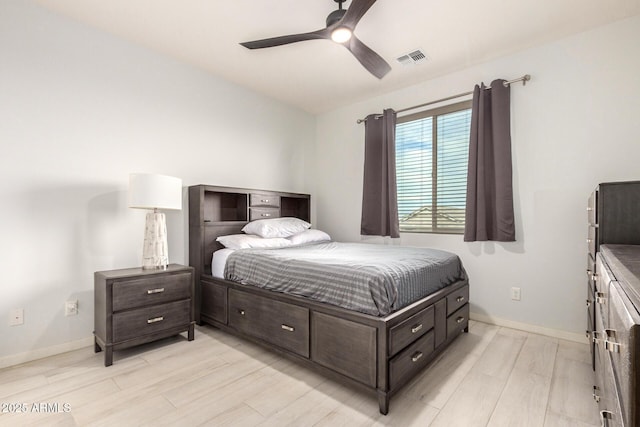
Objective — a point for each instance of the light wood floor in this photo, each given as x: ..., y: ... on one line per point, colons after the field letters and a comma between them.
x: 491, y: 376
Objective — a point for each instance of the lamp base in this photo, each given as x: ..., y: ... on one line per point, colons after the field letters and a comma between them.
x: 155, y: 251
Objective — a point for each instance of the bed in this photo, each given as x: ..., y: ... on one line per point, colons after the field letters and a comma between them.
x: 354, y: 327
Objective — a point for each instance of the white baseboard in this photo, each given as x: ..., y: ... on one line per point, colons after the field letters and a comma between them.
x: 555, y: 333
x: 17, y: 359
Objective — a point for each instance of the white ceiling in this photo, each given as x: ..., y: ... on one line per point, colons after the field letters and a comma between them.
x: 320, y: 75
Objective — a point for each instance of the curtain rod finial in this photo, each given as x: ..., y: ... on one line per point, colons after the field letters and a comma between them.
x: 525, y: 79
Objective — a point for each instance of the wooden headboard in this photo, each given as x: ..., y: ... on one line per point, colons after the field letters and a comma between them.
x: 219, y: 211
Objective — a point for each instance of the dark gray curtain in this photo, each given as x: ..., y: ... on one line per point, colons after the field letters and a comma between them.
x: 379, y: 195
x: 489, y: 211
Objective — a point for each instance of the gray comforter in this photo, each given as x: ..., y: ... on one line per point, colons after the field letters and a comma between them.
x: 372, y: 279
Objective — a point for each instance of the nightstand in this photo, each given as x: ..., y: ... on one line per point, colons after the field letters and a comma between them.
x: 135, y: 306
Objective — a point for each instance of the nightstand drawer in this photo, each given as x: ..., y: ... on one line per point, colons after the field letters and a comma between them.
x: 137, y: 323
x: 150, y: 290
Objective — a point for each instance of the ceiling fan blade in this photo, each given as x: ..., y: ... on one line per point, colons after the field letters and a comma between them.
x: 292, y: 38
x: 356, y: 11
x: 367, y: 57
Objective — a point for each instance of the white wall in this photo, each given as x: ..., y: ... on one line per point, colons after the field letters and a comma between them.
x: 574, y: 125
x: 79, y: 111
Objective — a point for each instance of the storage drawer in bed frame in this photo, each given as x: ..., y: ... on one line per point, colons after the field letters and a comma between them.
x: 381, y: 353
x: 409, y: 330
x: 285, y: 325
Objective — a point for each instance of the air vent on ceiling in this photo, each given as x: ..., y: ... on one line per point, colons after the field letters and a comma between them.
x: 413, y: 57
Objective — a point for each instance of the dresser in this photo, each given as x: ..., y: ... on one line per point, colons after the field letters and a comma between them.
x: 135, y: 306
x: 613, y: 218
x: 617, y: 335
x: 613, y: 299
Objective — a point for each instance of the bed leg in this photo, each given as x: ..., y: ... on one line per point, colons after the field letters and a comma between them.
x: 190, y: 332
x: 466, y: 329
x: 383, y: 402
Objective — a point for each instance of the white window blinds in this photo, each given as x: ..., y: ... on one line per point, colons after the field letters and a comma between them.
x: 432, y: 150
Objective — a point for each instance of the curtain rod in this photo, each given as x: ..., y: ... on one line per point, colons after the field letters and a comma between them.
x: 524, y: 79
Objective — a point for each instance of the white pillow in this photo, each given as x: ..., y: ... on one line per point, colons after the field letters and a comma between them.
x: 276, y: 227
x: 244, y: 241
x: 309, y: 236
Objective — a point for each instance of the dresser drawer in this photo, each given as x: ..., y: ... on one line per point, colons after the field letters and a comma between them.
x: 457, y: 299
x: 622, y: 342
x: 143, y: 321
x: 592, y: 238
x: 591, y: 209
x: 279, y: 323
x: 591, y: 271
x: 263, y: 213
x: 604, y: 279
x: 150, y: 290
x: 411, y: 360
x: 412, y: 328
x: 458, y: 321
x: 264, y: 199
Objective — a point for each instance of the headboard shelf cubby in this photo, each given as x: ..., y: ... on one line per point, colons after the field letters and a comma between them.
x: 216, y: 211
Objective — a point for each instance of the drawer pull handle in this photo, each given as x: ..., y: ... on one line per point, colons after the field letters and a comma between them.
x: 264, y: 200
x: 288, y: 328
x: 609, y: 343
x: 596, y: 337
x: 417, y: 356
x: 460, y: 299
x: 460, y: 319
x: 266, y: 215
x: 241, y: 312
x: 596, y: 396
x: 416, y: 328
x: 612, y: 346
x: 601, y: 297
x: 605, y: 416
x: 589, y: 240
x: 155, y: 319
x: 589, y: 208
x: 155, y: 291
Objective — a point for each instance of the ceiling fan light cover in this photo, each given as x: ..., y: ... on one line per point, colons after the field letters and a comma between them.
x: 341, y: 35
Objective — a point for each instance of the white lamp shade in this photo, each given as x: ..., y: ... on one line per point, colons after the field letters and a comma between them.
x: 151, y: 191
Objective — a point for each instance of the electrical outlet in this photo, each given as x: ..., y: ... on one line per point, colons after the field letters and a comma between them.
x: 515, y: 294
x: 16, y: 317
x: 71, y: 308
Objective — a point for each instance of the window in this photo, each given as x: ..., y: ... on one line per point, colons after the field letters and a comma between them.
x: 432, y: 151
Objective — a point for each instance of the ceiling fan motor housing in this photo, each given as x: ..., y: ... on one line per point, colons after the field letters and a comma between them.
x: 335, y: 16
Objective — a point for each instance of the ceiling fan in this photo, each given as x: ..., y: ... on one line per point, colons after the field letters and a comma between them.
x: 340, y: 26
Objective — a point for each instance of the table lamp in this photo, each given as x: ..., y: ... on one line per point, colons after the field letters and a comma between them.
x: 151, y: 191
